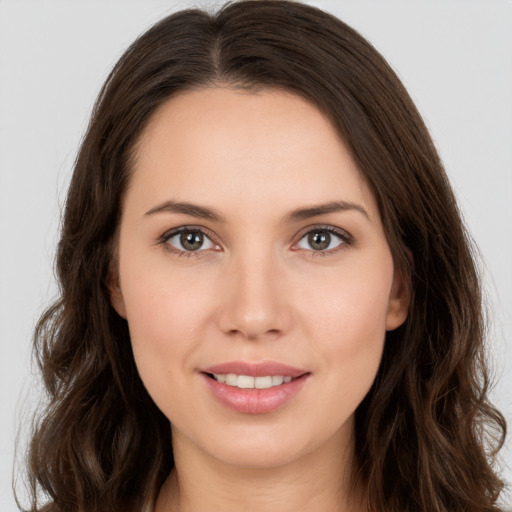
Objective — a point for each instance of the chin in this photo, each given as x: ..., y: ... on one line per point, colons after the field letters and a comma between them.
x: 256, y: 456
x: 266, y: 448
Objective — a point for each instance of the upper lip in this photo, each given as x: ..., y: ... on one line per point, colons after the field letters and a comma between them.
x: 255, y: 369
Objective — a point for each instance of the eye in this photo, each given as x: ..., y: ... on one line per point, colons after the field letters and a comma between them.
x: 189, y: 240
x: 323, y: 239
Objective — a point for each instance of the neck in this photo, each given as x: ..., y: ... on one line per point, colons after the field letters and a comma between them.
x: 318, y: 481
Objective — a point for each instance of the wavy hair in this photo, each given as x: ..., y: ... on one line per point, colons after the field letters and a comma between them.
x: 426, y: 434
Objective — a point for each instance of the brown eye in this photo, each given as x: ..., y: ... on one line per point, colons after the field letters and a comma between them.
x: 322, y: 240
x: 190, y: 240
x: 319, y: 240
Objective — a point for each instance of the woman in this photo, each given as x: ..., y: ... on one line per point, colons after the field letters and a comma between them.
x: 269, y: 301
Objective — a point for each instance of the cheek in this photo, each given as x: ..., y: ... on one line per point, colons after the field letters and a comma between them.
x: 351, y: 299
x: 164, y: 314
x: 166, y: 317
x: 346, y: 316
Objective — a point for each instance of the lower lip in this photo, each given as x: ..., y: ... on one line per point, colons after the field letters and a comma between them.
x: 256, y: 401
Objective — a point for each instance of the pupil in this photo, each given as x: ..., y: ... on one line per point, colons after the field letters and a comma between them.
x: 191, y: 240
x: 319, y: 240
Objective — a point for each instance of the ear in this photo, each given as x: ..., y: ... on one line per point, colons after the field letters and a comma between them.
x: 399, y: 301
x: 116, y: 295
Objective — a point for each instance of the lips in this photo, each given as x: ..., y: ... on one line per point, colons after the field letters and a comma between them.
x: 261, y: 369
x: 254, y: 388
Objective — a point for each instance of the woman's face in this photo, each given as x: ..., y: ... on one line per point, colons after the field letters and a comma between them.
x: 251, y: 248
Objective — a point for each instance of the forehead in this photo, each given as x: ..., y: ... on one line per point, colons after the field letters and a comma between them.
x: 263, y: 148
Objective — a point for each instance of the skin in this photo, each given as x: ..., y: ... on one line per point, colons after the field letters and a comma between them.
x: 257, y: 292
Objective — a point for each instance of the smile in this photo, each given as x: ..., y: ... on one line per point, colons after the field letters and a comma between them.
x: 254, y: 388
x: 249, y: 382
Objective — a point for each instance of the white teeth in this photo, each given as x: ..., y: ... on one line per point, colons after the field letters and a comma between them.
x: 262, y: 382
x: 277, y: 380
x: 249, y: 382
x: 245, y: 382
x: 231, y: 379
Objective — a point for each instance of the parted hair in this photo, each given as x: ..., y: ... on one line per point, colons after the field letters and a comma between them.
x: 426, y: 434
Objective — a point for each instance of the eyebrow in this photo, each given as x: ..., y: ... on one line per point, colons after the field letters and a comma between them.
x: 299, y: 214
x: 322, y: 209
x: 201, y: 212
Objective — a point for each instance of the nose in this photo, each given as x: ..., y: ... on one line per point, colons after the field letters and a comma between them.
x: 255, y: 304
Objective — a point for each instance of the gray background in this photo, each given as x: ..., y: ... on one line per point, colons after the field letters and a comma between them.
x: 454, y: 56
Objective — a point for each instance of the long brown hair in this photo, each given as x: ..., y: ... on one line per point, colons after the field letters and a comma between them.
x: 426, y: 435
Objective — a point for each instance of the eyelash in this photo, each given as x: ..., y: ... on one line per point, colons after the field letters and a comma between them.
x: 164, y: 239
x: 345, y: 238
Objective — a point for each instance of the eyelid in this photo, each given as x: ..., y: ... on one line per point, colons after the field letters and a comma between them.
x: 344, y: 235
x: 346, y: 238
x: 163, y: 239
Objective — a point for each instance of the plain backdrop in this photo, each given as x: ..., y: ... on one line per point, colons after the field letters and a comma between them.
x: 454, y: 56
